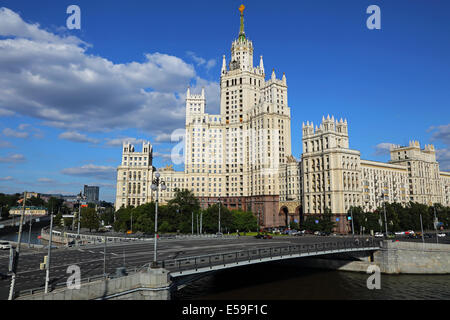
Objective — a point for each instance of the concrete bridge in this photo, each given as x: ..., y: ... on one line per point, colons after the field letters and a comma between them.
x: 156, y: 282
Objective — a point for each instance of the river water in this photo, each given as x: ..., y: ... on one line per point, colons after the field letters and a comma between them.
x: 281, y: 281
x: 35, y: 232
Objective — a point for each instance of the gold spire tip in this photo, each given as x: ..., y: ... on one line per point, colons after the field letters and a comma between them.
x: 242, y: 8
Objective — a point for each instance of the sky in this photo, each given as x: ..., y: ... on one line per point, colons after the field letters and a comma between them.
x: 69, y: 97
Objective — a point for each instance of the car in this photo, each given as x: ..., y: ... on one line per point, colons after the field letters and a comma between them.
x: 5, y: 245
x: 441, y: 235
x: 379, y: 235
x: 317, y: 233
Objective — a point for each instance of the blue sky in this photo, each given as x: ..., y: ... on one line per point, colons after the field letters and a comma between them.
x: 69, y: 97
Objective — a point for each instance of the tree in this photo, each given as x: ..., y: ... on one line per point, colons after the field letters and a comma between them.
x: 326, y: 221
x: 244, y: 221
x: 211, y: 219
x: 89, y: 219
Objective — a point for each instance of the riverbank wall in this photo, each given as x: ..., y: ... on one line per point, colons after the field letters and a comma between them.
x: 394, y: 257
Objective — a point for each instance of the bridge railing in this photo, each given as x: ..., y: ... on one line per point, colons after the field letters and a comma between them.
x: 226, y: 258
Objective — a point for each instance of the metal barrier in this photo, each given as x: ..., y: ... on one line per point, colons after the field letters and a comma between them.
x: 227, y: 258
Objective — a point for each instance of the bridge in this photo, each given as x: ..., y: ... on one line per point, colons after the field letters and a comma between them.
x: 184, y: 259
x: 211, y: 262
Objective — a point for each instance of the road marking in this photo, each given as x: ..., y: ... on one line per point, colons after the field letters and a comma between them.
x: 81, y: 250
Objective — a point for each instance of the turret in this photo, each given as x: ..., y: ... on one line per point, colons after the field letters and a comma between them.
x: 224, y: 65
x: 261, y: 64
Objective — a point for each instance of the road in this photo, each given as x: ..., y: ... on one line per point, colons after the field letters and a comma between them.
x: 135, y: 254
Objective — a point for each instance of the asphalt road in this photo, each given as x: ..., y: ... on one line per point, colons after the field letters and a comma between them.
x: 135, y: 254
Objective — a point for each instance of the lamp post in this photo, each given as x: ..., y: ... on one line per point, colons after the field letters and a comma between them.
x: 384, y: 209
x: 220, y: 204
x: 435, y: 224
x: 353, y: 226
x: 16, y: 257
x: 155, y: 187
x: 79, y: 197
x: 47, y: 271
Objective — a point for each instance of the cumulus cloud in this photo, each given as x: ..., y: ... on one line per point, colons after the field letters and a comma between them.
x: 118, y: 142
x: 92, y: 171
x: 77, y: 137
x: 383, y: 149
x: 45, y: 180
x: 201, y: 61
x: 442, y: 134
x: 55, y: 79
x: 12, y: 158
x: 14, y: 133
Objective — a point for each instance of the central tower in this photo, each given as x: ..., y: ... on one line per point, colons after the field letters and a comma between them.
x: 237, y: 155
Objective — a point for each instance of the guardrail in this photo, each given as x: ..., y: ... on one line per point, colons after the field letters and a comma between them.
x: 181, y: 265
x: 62, y: 285
x: 99, y: 238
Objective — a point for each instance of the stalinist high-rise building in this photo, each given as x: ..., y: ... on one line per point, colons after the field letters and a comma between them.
x: 236, y: 157
x: 242, y: 156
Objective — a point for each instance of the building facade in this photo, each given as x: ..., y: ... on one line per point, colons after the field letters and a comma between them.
x: 242, y: 156
x: 91, y: 193
x: 335, y: 177
x: 235, y: 157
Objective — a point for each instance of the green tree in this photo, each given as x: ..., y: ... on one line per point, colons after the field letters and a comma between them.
x: 326, y: 221
x: 244, y: 221
x: 211, y: 219
x: 89, y: 219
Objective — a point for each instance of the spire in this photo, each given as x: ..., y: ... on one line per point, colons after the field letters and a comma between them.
x: 224, y: 64
x: 273, y: 74
x: 188, y: 94
x: 241, y: 31
x: 203, y: 92
x: 284, y: 78
x: 261, y: 64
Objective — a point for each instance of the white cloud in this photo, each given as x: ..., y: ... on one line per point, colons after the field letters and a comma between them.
x: 201, y: 61
x: 382, y: 149
x: 55, y: 79
x: 77, y: 137
x: 13, y: 158
x: 46, y: 180
x: 9, y: 178
x: 92, y: 171
x: 14, y: 133
x: 118, y: 142
x: 442, y: 134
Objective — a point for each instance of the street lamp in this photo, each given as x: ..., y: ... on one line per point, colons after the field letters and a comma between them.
x: 220, y: 204
x: 384, y: 208
x: 155, y: 187
x: 79, y: 198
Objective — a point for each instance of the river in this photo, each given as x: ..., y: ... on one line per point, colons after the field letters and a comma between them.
x: 35, y: 232
x: 281, y: 281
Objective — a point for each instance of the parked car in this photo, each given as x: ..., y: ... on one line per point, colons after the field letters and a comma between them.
x: 379, y: 235
x: 441, y: 235
x: 5, y: 245
x: 263, y: 236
